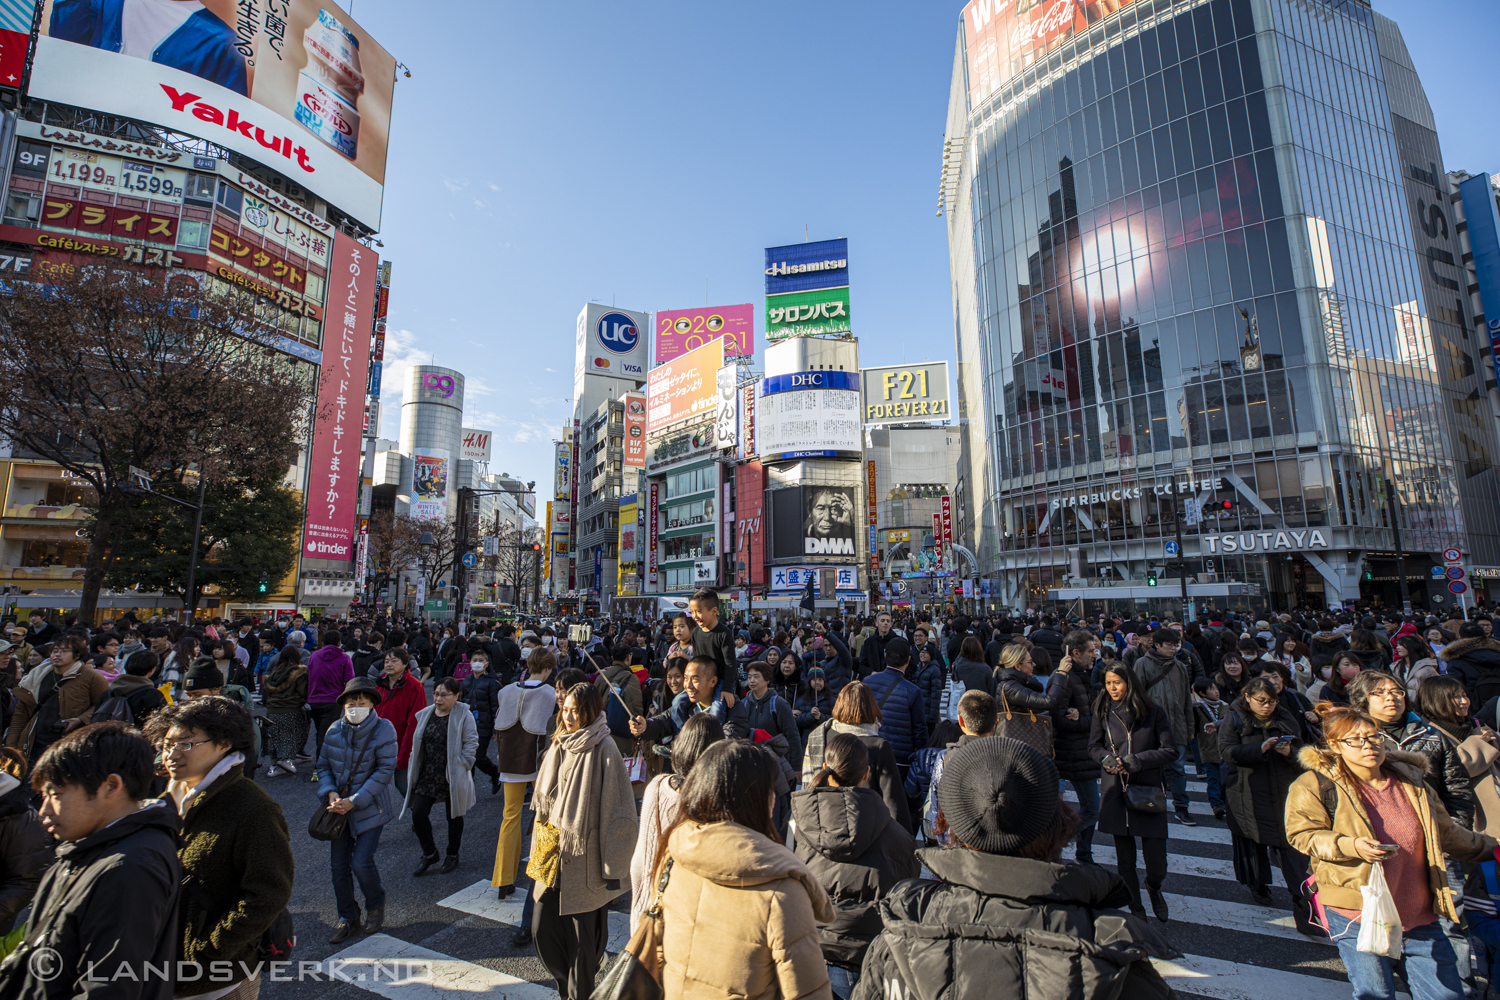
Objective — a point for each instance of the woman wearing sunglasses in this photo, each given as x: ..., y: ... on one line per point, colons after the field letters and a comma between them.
x: 1361, y: 805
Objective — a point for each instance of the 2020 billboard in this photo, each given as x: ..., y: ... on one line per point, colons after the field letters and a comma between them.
x: 295, y: 84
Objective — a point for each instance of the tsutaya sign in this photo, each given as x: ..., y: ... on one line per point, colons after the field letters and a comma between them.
x: 1186, y: 485
x: 1283, y: 540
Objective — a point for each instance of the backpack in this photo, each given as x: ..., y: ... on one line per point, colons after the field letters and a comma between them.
x: 114, y: 708
x: 1328, y: 794
x: 615, y: 714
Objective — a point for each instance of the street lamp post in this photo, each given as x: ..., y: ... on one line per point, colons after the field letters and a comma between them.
x: 425, y: 545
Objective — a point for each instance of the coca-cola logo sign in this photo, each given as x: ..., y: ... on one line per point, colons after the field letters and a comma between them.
x: 1056, y: 18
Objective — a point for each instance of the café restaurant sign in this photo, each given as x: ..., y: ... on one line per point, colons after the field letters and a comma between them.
x: 1183, y: 486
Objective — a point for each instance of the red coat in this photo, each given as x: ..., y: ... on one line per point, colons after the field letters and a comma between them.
x: 399, y: 707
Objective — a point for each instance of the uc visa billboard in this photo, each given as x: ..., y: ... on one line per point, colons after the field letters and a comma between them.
x: 807, y: 289
x: 611, y: 342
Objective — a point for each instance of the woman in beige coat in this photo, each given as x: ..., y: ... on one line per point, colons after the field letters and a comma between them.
x: 740, y: 911
x: 583, y: 791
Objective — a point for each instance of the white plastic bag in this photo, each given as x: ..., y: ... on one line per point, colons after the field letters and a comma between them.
x: 1379, y: 923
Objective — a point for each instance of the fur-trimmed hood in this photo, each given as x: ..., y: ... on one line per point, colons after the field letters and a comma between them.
x: 1325, y: 762
x: 1460, y: 648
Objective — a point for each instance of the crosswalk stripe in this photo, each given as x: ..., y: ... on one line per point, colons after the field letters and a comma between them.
x: 1177, y: 864
x: 1212, y: 977
x: 1246, y: 918
x: 1195, y: 808
x: 1196, y: 834
x: 480, y: 900
x: 397, y: 970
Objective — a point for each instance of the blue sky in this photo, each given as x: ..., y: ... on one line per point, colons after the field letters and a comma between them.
x: 645, y: 154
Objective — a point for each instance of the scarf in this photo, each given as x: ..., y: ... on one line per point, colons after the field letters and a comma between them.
x: 567, y: 787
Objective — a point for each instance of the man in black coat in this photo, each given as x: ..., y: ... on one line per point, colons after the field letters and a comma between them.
x: 1474, y: 659
x: 1071, y: 722
x: 111, y: 899
x: 872, y: 653
x: 1049, y: 638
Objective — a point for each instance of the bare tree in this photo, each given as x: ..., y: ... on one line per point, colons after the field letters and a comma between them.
x: 392, y: 547
x: 110, y: 370
x: 444, y: 547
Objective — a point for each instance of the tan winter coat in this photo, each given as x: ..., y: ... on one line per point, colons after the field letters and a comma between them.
x: 740, y: 918
x: 1329, y: 841
x: 1481, y: 759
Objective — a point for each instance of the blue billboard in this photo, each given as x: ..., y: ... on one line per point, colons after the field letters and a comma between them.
x: 1484, y: 240
x: 804, y: 267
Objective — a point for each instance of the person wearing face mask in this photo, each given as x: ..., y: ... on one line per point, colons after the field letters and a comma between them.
x: 481, y: 693
x: 1346, y: 667
x: 443, y: 749
x: 358, y: 758
x: 402, y: 697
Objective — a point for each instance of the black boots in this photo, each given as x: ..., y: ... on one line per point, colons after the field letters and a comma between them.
x: 1302, y: 911
x: 450, y: 864
x: 428, y: 860
x: 344, y: 930
x: 1158, y: 903
x: 1262, y: 895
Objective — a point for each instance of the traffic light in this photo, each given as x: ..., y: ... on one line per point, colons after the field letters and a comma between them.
x: 536, y: 546
x: 264, y: 585
x: 1224, y: 507
x: 1151, y: 578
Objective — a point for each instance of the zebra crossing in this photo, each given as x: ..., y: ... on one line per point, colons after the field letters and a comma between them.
x: 1233, y: 949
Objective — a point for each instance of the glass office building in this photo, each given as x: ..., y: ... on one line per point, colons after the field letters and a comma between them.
x: 1205, y: 289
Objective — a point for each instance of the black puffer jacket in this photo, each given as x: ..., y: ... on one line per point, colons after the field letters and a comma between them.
x: 1446, y: 774
x: 975, y: 676
x: 1258, y: 783
x: 930, y: 679
x: 1070, y: 739
x: 1049, y: 639
x: 1000, y: 926
x: 1025, y: 693
x: 1476, y: 663
x: 481, y: 692
x: 858, y: 853
x: 26, y: 850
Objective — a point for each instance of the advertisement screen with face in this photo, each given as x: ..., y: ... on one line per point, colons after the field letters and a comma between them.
x: 828, y: 520
x: 429, y: 483
x: 295, y: 84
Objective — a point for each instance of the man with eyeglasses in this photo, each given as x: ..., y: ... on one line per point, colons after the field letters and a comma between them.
x: 236, y: 853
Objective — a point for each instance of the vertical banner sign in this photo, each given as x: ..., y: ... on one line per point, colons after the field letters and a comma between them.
x: 562, y: 487
x: 547, y: 560
x: 870, y: 502
x: 635, y: 430
x: 598, y: 576
x: 726, y: 419
x: 1484, y: 238
x: 746, y: 449
x: 361, y: 558
x: 948, y: 528
x: 573, y: 510
x: 937, y: 538
x: 333, y: 478
x: 653, y: 520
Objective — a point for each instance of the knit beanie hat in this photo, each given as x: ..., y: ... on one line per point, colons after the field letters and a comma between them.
x: 998, y: 794
x: 203, y: 676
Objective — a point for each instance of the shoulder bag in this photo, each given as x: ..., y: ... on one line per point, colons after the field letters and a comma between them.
x: 546, y: 855
x: 1028, y: 727
x: 1138, y: 798
x: 325, y: 824
x: 637, y: 973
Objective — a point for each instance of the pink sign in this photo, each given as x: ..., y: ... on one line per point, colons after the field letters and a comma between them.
x: 680, y: 330
x: 333, y: 473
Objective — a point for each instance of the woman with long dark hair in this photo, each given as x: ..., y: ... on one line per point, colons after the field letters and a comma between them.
x: 1232, y: 675
x: 659, y: 807
x: 582, y: 801
x: 734, y: 891
x: 1131, y: 738
x: 1415, y: 662
x: 1259, y: 739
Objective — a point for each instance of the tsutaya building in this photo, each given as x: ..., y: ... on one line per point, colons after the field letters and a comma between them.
x: 1200, y: 249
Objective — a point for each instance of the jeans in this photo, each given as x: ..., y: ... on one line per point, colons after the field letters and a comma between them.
x: 1087, y: 790
x: 1216, y: 785
x: 1177, y: 775
x: 1431, y: 966
x: 354, y: 858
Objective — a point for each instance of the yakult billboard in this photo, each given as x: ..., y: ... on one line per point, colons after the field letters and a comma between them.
x: 1003, y: 37
x: 333, y: 472
x: 294, y: 84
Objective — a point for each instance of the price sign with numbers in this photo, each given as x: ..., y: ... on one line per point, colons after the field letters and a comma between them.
x: 100, y: 172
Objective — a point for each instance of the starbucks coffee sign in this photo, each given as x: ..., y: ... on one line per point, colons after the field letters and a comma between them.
x: 1251, y: 542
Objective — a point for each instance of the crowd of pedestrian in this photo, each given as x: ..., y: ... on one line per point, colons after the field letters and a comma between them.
x: 822, y: 808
